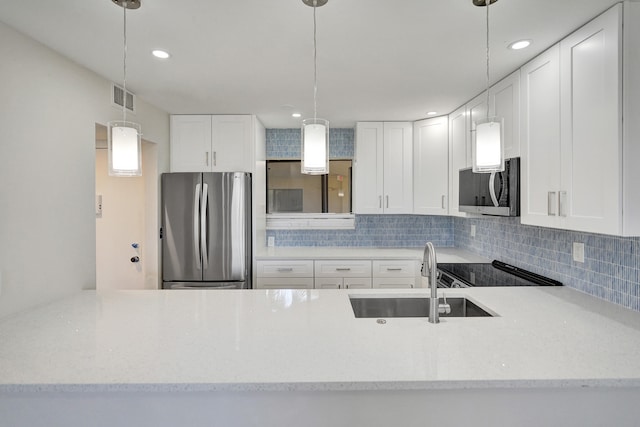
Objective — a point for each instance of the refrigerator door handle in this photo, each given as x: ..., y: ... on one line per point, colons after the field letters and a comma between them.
x: 203, y: 225
x: 196, y: 226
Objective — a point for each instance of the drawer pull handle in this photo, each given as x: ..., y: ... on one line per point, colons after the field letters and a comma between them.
x: 284, y: 270
x: 394, y: 269
x: 343, y: 269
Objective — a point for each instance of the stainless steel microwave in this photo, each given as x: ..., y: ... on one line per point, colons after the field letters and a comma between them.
x: 496, y: 193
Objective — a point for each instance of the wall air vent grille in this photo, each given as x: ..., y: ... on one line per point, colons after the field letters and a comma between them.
x: 117, y: 98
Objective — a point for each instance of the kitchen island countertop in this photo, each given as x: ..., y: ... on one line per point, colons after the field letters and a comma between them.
x: 179, y: 340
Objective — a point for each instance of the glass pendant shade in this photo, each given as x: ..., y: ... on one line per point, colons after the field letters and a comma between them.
x: 488, y: 148
x: 124, y: 148
x: 315, y: 146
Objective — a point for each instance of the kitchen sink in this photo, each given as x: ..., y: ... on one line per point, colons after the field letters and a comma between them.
x: 377, y: 307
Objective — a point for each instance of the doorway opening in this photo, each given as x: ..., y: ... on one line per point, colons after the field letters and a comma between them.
x: 127, y: 255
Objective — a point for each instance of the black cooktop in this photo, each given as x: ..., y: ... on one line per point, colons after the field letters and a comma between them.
x: 495, y: 273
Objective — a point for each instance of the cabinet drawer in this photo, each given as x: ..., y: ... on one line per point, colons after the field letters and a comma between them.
x: 395, y: 268
x: 284, y: 268
x: 342, y: 283
x: 284, y: 283
x: 394, y: 283
x: 349, y: 268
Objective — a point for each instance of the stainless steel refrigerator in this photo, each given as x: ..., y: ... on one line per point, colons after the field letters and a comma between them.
x: 206, y: 230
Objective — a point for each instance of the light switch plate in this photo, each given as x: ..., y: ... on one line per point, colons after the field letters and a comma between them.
x: 271, y: 241
x: 473, y: 230
x: 578, y: 252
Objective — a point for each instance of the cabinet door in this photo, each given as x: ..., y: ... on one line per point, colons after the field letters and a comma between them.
x: 284, y: 283
x: 431, y: 166
x: 504, y: 99
x: 190, y: 143
x: 368, y: 168
x: 231, y: 143
x: 398, y: 168
x: 394, y: 283
x: 591, y: 139
x: 328, y: 283
x: 459, y: 156
x: 540, y: 139
x: 357, y: 283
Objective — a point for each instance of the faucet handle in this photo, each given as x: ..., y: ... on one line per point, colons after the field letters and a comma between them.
x: 444, y: 308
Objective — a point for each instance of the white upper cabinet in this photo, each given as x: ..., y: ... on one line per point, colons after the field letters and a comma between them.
x: 383, y: 170
x: 540, y: 138
x: 459, y: 155
x: 190, y: 143
x: 368, y: 168
x: 575, y: 171
x: 590, y: 111
x: 504, y: 102
x: 211, y: 143
x: 431, y: 166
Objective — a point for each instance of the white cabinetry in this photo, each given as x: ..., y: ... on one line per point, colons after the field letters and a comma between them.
x: 383, y: 169
x: 459, y: 155
x: 285, y: 274
x: 504, y: 102
x: 431, y: 166
x: 540, y: 125
x: 575, y: 174
x: 211, y: 143
x: 342, y: 274
x: 591, y: 137
x: 395, y: 274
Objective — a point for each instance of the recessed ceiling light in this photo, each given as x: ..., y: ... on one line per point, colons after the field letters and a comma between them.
x: 296, y: 115
x: 432, y: 113
x: 160, y: 54
x: 520, y: 44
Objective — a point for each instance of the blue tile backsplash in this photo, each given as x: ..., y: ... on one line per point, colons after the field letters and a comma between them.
x: 388, y: 231
x: 611, y: 270
x: 285, y: 143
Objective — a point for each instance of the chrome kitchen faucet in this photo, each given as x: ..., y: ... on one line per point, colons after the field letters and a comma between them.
x: 429, y: 269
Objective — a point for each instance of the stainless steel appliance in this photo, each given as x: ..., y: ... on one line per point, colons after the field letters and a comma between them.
x: 496, y: 193
x: 496, y: 273
x: 206, y: 230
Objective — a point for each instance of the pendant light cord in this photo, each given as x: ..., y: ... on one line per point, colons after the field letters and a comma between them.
x: 315, y: 65
x: 487, y: 3
x: 124, y: 68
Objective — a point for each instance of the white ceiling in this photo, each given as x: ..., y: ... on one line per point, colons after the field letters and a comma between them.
x: 377, y: 59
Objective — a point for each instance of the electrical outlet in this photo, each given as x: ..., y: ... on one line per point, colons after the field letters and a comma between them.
x: 578, y: 252
x: 473, y: 230
x: 271, y: 241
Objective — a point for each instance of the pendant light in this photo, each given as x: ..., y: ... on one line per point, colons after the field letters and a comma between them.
x: 487, y: 149
x: 124, y: 145
x: 315, y: 131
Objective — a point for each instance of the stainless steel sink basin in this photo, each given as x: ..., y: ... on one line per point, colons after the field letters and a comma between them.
x: 412, y: 307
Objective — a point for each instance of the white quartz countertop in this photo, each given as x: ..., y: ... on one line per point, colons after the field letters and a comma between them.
x: 182, y: 340
x: 445, y: 255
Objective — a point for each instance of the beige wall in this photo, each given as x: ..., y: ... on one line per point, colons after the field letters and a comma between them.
x: 47, y: 170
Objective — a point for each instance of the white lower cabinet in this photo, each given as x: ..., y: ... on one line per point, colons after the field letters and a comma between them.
x: 395, y: 274
x: 342, y: 274
x: 338, y: 274
x: 342, y: 283
x: 285, y: 283
x: 285, y: 274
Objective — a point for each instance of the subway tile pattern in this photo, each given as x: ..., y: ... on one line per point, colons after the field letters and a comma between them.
x: 388, y: 231
x: 611, y: 270
x: 285, y: 143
